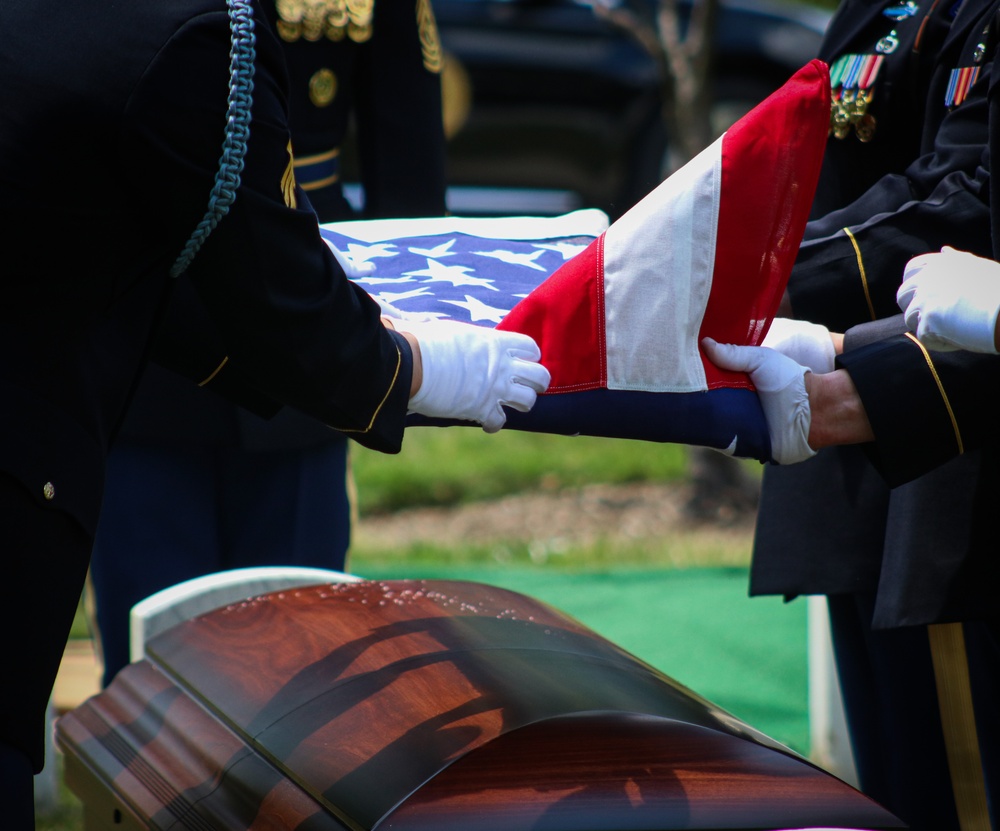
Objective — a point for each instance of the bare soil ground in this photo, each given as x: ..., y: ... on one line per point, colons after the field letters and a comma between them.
x: 630, y: 513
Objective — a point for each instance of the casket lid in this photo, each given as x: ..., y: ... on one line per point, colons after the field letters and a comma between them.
x: 444, y: 704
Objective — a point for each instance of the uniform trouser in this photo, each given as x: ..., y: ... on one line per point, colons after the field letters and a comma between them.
x: 922, y: 712
x: 45, y: 557
x: 174, y: 512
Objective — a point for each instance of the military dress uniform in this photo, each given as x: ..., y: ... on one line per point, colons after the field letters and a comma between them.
x: 376, y: 67
x: 896, y: 563
x: 197, y: 484
x: 111, y: 121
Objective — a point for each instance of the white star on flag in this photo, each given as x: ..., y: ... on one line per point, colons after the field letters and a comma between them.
x: 358, y: 255
x: 479, y: 310
x: 392, y: 298
x: 514, y: 257
x: 454, y: 274
x: 443, y: 250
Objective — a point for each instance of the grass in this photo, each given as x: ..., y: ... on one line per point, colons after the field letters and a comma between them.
x: 451, y: 466
x: 461, y: 466
x: 676, y: 552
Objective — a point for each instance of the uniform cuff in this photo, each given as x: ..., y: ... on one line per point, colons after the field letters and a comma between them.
x: 908, y: 407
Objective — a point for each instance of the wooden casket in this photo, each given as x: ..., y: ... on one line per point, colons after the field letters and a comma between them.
x: 430, y: 705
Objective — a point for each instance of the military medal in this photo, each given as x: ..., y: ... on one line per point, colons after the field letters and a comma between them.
x: 962, y: 78
x: 888, y: 44
x: 323, y: 87
x: 960, y: 81
x: 333, y: 19
x: 851, y: 81
x: 904, y: 10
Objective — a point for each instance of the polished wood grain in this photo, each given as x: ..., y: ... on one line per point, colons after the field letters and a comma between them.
x: 165, y: 759
x: 432, y: 704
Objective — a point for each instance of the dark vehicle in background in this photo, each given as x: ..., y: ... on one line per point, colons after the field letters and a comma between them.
x: 550, y: 107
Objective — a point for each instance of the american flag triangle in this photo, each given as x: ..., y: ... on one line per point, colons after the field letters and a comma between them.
x: 619, y: 311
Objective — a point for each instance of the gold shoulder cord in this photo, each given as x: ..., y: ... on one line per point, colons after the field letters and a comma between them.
x: 944, y: 395
x: 958, y: 723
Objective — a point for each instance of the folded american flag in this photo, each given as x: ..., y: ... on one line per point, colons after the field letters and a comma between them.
x: 619, y: 311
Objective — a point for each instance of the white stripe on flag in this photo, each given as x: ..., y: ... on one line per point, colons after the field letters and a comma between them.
x: 658, y: 263
x: 585, y: 222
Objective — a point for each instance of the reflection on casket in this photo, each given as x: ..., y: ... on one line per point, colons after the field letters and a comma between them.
x: 423, y: 705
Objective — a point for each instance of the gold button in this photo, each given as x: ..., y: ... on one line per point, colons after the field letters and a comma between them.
x: 49, y: 490
x: 322, y: 87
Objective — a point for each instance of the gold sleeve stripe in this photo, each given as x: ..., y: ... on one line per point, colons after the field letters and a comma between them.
x: 958, y: 723
x: 381, y: 404
x: 215, y: 372
x: 320, y: 183
x: 302, y: 161
x: 944, y: 395
x: 861, y: 271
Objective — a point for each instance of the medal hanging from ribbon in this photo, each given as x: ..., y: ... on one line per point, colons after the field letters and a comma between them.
x: 852, y: 79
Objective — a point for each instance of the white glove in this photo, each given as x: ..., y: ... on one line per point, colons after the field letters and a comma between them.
x: 472, y: 372
x: 781, y: 387
x: 808, y: 344
x: 951, y: 300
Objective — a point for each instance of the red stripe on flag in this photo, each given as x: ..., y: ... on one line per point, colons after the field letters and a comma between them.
x: 565, y: 316
x: 770, y: 167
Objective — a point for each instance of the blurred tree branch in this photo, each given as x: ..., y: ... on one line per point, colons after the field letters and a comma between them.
x: 683, y: 47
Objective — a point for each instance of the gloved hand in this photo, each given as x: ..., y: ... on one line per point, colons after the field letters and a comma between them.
x: 951, y: 300
x: 808, y: 344
x: 472, y: 372
x: 780, y: 383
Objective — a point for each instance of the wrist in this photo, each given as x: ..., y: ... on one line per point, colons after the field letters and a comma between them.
x: 417, y: 378
x: 838, y: 415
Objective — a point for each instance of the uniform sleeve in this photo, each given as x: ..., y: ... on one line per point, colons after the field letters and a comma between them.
x: 851, y: 260
x: 188, y: 343
x: 924, y: 407
x: 398, y: 101
x: 292, y: 327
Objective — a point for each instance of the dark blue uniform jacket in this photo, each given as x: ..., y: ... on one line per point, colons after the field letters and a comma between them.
x: 111, y: 122
x: 920, y: 545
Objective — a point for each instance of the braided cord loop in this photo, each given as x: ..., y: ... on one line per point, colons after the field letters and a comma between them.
x: 234, y: 145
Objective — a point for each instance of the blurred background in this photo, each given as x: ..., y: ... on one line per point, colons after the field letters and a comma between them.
x: 554, y: 105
